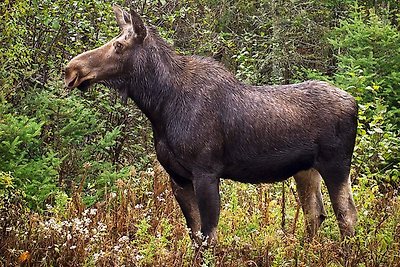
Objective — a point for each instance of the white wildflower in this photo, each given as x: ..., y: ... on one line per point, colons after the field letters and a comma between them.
x: 93, y: 211
x: 101, y: 227
x: 87, y: 221
x: 280, y: 232
x: 199, y: 234
x: 138, y: 257
x: 138, y: 206
x: 77, y: 222
x: 96, y: 257
x: 123, y: 239
x: 66, y: 223
x: 150, y: 171
x: 85, y: 212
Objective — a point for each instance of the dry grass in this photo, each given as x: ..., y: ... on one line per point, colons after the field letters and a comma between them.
x: 143, y: 226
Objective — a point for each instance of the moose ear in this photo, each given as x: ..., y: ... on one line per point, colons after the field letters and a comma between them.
x: 138, y: 25
x: 123, y: 17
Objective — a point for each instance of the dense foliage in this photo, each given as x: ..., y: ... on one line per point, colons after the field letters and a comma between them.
x: 73, y: 164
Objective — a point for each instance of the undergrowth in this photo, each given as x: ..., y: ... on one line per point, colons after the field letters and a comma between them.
x: 260, y: 225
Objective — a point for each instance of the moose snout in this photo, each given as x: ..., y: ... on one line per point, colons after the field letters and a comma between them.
x: 70, y: 82
x: 70, y: 78
x: 78, y: 76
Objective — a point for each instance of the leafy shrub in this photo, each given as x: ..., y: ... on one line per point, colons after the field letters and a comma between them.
x: 368, y: 56
x: 378, y: 146
x: 34, y: 169
x: 47, y: 134
x: 368, y: 68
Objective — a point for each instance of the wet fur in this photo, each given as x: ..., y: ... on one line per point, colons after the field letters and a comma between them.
x: 208, y: 125
x: 204, y: 116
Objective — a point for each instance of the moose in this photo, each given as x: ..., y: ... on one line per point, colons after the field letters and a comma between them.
x: 208, y: 126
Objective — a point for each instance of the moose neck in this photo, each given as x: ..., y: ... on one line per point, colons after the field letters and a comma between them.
x: 155, y: 85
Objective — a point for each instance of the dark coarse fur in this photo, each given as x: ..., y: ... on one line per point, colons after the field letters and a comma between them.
x: 208, y: 125
x: 203, y: 117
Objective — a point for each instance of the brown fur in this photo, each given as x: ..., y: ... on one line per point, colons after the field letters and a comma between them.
x: 208, y: 125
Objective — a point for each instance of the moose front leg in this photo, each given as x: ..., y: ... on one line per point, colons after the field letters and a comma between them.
x: 206, y: 188
x: 186, y: 198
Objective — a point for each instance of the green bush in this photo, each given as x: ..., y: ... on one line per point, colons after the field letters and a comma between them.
x: 368, y: 67
x: 48, y: 135
x: 21, y: 154
x: 368, y: 53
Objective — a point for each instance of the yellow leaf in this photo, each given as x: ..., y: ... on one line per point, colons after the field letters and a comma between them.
x: 24, y: 257
x: 376, y: 87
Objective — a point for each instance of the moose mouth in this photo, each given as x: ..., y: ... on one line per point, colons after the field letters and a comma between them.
x: 81, y: 85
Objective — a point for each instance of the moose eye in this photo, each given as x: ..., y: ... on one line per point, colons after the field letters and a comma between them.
x: 118, y: 47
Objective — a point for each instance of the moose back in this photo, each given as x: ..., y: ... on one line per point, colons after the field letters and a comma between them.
x: 208, y: 125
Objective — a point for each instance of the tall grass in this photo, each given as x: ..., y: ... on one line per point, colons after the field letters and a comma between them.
x: 143, y: 226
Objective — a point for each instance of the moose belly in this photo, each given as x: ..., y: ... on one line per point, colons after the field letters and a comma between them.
x: 268, y: 168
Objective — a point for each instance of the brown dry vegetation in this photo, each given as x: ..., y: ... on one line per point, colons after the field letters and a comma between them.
x: 258, y: 227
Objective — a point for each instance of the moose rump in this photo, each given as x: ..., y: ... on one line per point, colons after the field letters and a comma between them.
x: 208, y: 125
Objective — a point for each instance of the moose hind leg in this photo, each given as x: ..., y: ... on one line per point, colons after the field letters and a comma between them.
x: 338, y: 183
x: 188, y: 203
x: 308, y: 185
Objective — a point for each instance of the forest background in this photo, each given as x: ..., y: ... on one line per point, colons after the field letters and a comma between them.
x: 79, y: 181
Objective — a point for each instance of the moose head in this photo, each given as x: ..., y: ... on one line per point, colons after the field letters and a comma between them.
x: 112, y: 60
